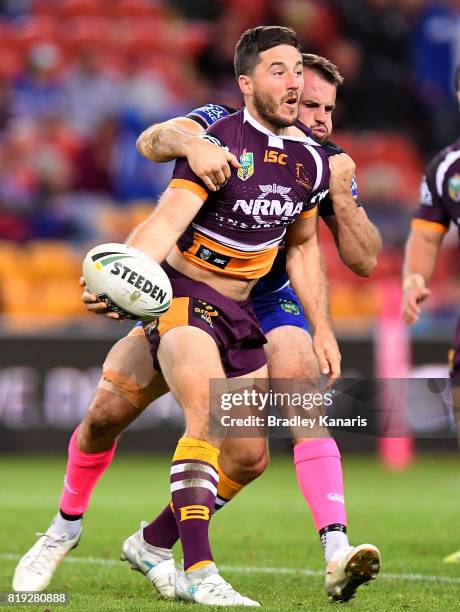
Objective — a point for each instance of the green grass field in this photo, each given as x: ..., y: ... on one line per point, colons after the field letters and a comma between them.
x: 264, y: 541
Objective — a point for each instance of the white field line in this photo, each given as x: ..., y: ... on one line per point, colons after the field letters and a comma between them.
x: 259, y: 570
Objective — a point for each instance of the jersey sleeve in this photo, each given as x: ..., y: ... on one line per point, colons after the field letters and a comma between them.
x: 431, y: 213
x: 320, y: 188
x: 209, y: 113
x: 184, y: 178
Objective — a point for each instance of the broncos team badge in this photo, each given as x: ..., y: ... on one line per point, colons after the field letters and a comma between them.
x: 247, y: 166
x: 453, y: 186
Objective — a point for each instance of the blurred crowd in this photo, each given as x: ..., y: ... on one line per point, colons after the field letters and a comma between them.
x: 80, y: 79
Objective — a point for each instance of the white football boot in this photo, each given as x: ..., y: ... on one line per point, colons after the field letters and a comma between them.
x: 36, y: 568
x: 452, y: 558
x: 349, y: 568
x: 206, y: 586
x: 157, y: 564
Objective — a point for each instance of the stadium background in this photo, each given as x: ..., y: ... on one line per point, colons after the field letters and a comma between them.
x: 79, y: 79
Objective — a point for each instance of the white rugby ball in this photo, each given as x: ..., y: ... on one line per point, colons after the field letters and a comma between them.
x: 128, y: 281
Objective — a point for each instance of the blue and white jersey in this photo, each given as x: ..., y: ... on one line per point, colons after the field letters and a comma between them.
x: 210, y: 113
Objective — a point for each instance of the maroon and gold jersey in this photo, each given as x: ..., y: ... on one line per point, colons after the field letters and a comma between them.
x: 440, y: 192
x: 239, y: 228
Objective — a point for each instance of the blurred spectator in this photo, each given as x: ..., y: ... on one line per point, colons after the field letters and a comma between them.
x: 12, y: 8
x: 198, y: 9
x: 6, y: 100
x: 315, y: 22
x: 91, y: 93
x: 215, y: 62
x: 38, y: 91
x: 435, y: 54
x: 144, y: 92
x: 92, y: 163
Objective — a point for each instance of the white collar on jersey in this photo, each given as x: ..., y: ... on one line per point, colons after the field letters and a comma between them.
x: 258, y: 126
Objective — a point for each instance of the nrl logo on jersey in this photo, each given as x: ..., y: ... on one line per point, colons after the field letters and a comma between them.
x: 205, y: 254
x: 453, y: 186
x: 247, y: 165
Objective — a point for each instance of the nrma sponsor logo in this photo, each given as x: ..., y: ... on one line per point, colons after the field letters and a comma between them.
x: 267, y: 208
x: 273, y: 201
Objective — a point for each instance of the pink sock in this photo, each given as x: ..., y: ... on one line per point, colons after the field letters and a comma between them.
x: 319, y: 474
x: 82, y: 474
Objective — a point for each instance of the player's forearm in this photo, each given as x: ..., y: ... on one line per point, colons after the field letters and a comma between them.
x: 164, y: 142
x: 420, y: 258
x: 158, y: 234
x: 307, y: 273
x: 358, y: 240
x: 156, y: 238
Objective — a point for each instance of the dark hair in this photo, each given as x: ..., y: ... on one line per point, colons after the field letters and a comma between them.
x: 323, y: 67
x: 457, y: 78
x: 259, y: 39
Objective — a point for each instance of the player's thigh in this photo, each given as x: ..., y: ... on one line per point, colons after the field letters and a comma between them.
x: 129, y: 383
x: 128, y: 371
x: 290, y: 354
x: 189, y: 358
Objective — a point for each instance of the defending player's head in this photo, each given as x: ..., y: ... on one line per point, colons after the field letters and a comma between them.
x: 268, y: 66
x: 321, y: 79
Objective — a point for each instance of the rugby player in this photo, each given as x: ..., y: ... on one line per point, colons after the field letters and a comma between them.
x: 128, y: 383
x: 277, y: 307
x: 438, y: 208
x: 269, y: 70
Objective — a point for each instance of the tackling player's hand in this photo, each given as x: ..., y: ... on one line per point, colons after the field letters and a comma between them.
x: 412, y: 297
x: 327, y: 352
x: 93, y: 305
x: 342, y: 169
x: 211, y: 163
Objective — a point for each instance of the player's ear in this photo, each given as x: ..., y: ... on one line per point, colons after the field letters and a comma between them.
x: 246, y: 85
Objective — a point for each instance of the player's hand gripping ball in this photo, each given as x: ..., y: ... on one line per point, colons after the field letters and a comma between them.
x: 128, y: 281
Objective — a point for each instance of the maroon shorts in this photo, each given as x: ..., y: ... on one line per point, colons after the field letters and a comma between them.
x: 454, y: 357
x: 233, y: 325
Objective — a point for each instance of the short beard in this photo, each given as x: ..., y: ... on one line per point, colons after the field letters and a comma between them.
x: 266, y: 108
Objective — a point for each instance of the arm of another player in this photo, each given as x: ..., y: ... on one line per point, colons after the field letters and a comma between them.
x: 181, y: 137
x: 422, y: 249
x: 306, y: 270
x: 357, y: 239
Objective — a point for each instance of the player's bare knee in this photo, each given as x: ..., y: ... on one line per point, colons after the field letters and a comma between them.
x: 107, y: 416
x: 251, y: 464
